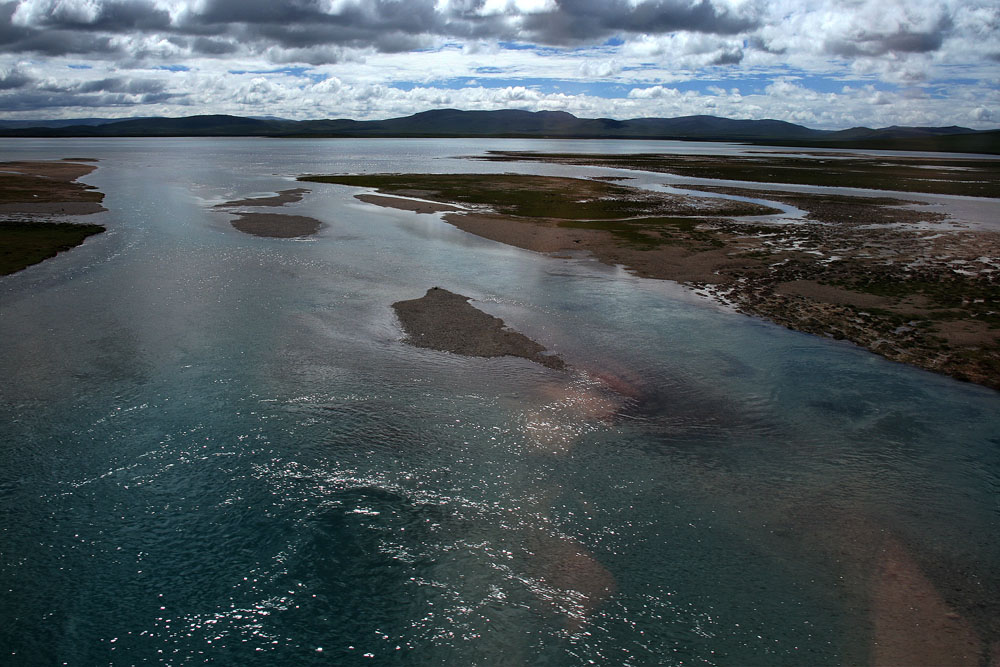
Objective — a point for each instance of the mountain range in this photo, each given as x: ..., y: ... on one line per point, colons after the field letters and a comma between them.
x: 527, y: 124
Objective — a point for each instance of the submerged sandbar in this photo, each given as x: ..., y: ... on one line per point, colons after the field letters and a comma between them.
x: 445, y: 321
x: 280, y: 198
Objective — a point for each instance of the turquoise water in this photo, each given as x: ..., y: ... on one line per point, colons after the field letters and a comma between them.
x: 216, y: 448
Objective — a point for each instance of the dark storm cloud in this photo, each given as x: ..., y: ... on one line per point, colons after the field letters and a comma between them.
x: 732, y: 57
x: 13, y: 78
x: 40, y: 100
x: 904, y: 41
x: 580, y: 20
x: 120, y: 85
x: 27, y: 94
x: 212, y: 47
x: 55, y: 28
x: 10, y: 33
x: 110, y: 17
x: 63, y: 42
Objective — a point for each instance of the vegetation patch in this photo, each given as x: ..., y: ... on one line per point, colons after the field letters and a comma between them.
x: 544, y: 196
x: 25, y: 243
x: 973, y: 178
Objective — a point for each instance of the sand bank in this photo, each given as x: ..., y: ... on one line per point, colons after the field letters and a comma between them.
x: 276, y: 225
x: 443, y: 320
x: 279, y: 199
x: 883, y: 272
x: 47, y: 189
x: 32, y: 194
x: 407, y: 204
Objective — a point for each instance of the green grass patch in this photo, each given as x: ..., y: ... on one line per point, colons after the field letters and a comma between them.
x: 531, y: 196
x: 976, y: 178
x: 25, y: 243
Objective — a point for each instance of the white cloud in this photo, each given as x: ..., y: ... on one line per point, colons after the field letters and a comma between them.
x: 896, y: 57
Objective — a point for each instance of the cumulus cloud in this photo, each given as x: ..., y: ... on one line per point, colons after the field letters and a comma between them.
x: 378, y: 58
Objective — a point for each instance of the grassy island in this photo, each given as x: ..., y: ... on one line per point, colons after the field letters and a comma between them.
x: 883, y: 272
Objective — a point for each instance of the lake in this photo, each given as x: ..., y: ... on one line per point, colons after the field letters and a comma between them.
x: 218, y: 449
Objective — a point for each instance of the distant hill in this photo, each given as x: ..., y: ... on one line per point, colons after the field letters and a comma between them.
x: 528, y: 124
x: 60, y: 122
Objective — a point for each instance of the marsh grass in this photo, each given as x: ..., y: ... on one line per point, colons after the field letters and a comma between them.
x: 539, y: 196
x: 974, y: 178
x: 25, y: 243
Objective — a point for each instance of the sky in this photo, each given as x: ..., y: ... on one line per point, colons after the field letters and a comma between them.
x: 826, y: 64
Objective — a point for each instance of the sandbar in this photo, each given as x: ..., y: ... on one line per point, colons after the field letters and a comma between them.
x: 279, y: 199
x: 34, y: 197
x: 413, y: 205
x: 445, y: 321
x: 883, y: 272
x: 31, y: 188
x: 276, y: 225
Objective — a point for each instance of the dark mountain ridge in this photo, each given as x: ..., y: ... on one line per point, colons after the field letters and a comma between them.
x: 517, y: 123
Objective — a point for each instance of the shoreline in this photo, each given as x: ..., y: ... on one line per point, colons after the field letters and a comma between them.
x: 886, y: 274
x: 35, y: 199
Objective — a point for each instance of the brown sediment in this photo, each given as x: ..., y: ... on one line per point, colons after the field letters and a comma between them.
x: 937, y: 175
x: 31, y: 195
x: 47, y: 189
x: 838, y: 209
x: 445, y: 321
x: 855, y: 268
x: 912, y: 623
x: 280, y: 199
x: 406, y: 204
x: 576, y: 582
x: 276, y: 225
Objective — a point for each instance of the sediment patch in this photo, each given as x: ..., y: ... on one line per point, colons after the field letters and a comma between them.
x: 445, y: 321
x: 865, y: 269
x: 34, y: 197
x: 276, y: 225
x: 279, y: 199
x: 47, y: 189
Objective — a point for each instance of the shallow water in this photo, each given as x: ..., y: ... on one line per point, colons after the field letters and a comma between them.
x: 217, y: 448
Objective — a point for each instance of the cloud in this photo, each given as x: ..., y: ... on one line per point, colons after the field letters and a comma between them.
x: 582, y: 20
x: 394, y: 57
x: 90, y: 15
x: 13, y: 78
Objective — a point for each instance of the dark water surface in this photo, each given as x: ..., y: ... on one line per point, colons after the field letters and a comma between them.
x: 216, y: 448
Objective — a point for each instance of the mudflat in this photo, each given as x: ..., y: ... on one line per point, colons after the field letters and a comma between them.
x: 883, y: 272
x: 281, y: 198
x: 34, y: 198
x: 47, y: 188
x: 276, y: 225
x: 445, y: 321
x: 272, y: 225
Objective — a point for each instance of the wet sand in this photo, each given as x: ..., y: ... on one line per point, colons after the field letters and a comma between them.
x: 272, y: 225
x: 279, y: 199
x: 885, y: 273
x: 407, y: 204
x: 47, y: 189
x: 445, y: 321
x: 276, y: 225
x: 35, y: 197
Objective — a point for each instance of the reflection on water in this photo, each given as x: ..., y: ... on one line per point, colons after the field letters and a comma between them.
x: 217, y: 448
